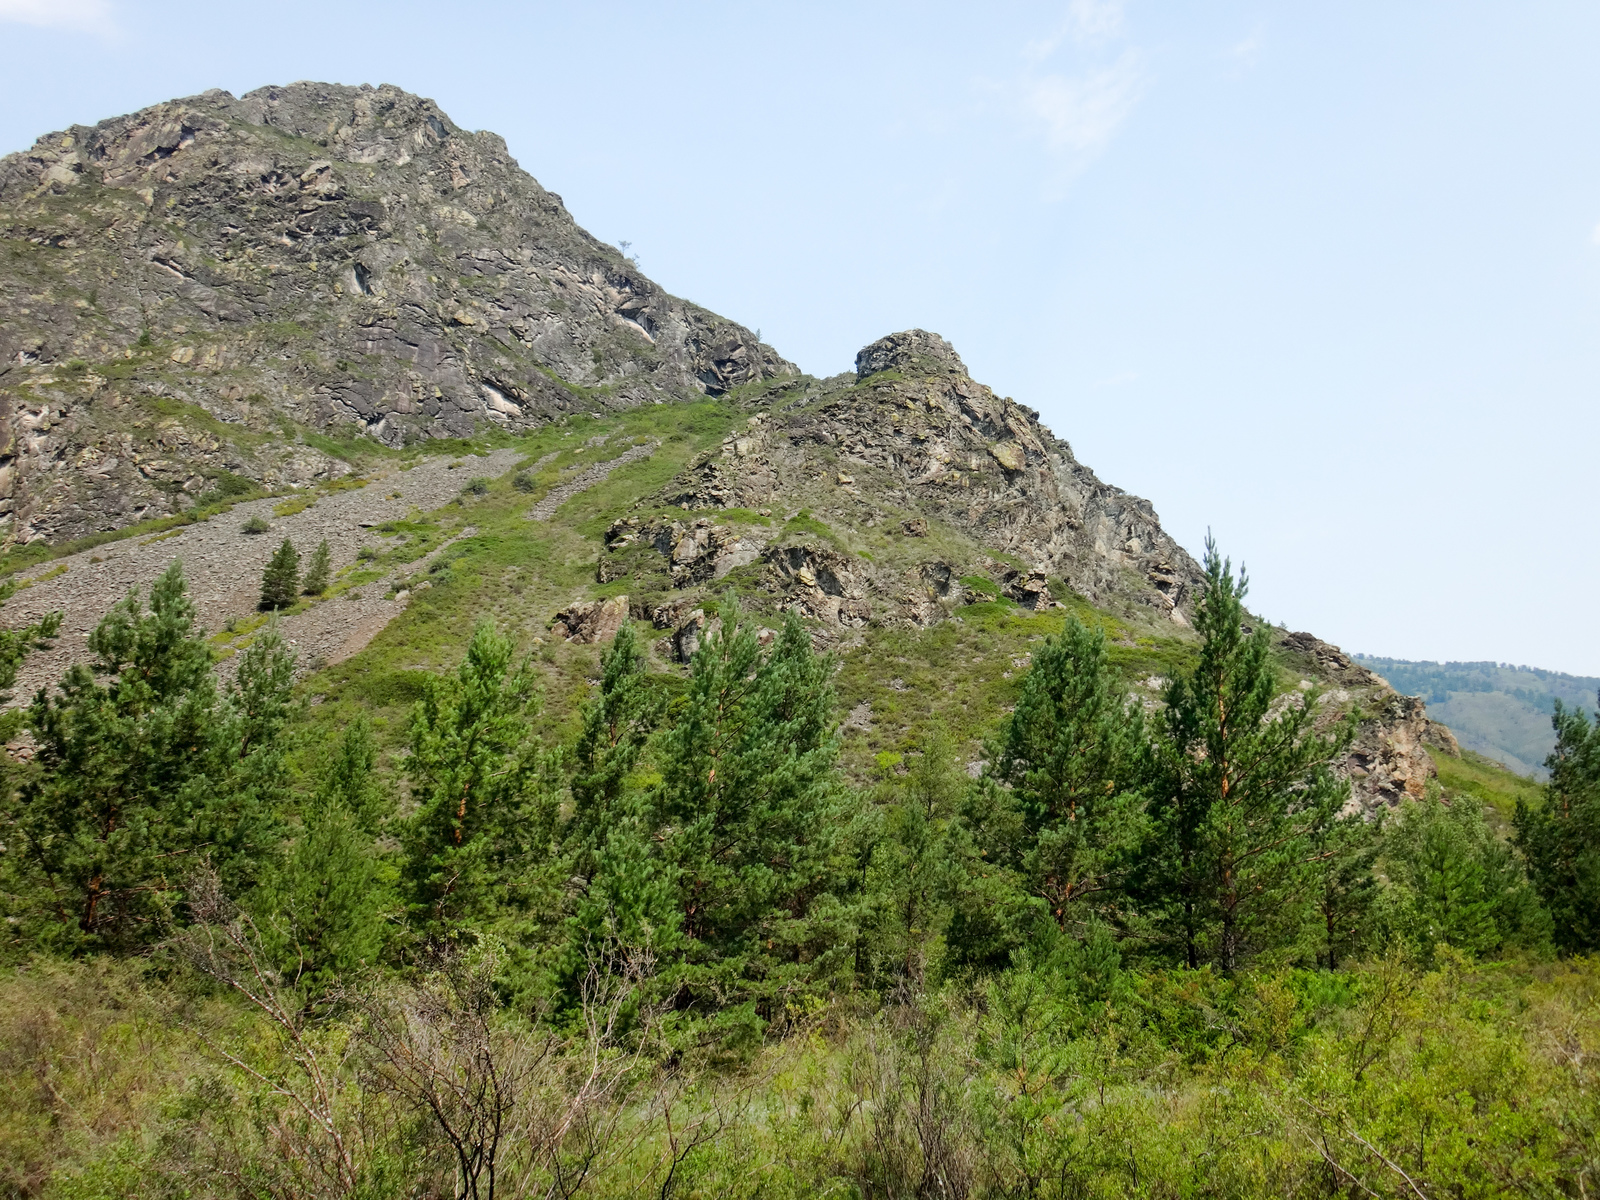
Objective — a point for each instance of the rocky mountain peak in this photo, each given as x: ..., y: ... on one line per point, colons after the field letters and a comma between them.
x: 183, y: 284
x: 912, y: 352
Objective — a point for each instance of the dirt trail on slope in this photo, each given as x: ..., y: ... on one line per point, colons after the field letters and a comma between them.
x: 560, y: 494
x: 224, y: 567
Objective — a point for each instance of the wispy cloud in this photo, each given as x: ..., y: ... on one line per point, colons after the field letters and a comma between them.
x: 1076, y: 88
x: 1243, y: 54
x: 1087, y: 22
x: 1082, y: 113
x: 80, y: 16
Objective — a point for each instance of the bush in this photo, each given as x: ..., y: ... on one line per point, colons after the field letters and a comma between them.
x: 523, y: 482
x: 477, y: 486
x: 256, y: 524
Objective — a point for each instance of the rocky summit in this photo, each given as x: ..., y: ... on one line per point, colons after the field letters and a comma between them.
x: 190, y: 289
x: 307, y: 290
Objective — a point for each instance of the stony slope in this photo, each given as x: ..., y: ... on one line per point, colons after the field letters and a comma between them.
x: 188, y: 287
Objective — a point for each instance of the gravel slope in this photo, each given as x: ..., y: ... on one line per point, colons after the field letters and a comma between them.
x: 224, y: 566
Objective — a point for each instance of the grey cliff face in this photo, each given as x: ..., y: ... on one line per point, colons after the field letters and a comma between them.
x: 338, y: 258
x: 914, y: 431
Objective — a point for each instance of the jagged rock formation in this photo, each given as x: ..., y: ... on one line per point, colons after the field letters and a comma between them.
x: 1388, y: 762
x: 186, y: 285
x: 913, y: 438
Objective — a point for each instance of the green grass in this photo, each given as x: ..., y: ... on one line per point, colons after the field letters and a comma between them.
x: 803, y: 525
x: 1485, y: 780
x: 514, y: 571
x: 963, y: 675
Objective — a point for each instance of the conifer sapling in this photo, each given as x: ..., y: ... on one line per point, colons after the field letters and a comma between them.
x: 319, y: 569
x: 280, y: 582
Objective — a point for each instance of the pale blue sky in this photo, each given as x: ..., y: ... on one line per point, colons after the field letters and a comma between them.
x: 1324, y: 278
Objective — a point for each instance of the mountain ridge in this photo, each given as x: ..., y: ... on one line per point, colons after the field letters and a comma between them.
x: 280, y: 292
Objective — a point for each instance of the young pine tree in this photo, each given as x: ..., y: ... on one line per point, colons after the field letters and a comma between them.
x: 1244, y: 785
x: 1453, y: 881
x: 628, y: 900
x: 1344, y: 890
x: 138, y: 777
x: 321, y: 910
x: 1560, y: 840
x: 478, y: 848
x: 917, y: 862
x: 280, y: 582
x: 1075, y: 757
x: 318, y: 570
x: 757, y: 812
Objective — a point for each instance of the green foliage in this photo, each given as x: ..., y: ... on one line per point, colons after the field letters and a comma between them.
x: 256, y: 524
x: 1454, y: 882
x: 480, y: 839
x: 628, y: 901
x: 757, y: 814
x: 1344, y: 891
x: 280, y: 582
x: 321, y: 909
x: 803, y: 525
x: 1073, y: 759
x: 914, y: 866
x: 523, y: 482
x: 1561, y: 838
x: 140, y: 778
x: 318, y: 570
x: 1243, y: 783
x: 477, y: 486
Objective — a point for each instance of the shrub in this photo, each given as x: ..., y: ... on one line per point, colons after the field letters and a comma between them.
x: 477, y: 486
x: 523, y: 482
x: 256, y: 524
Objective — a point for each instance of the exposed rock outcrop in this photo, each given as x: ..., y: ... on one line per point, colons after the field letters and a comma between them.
x: 911, y: 429
x: 590, y: 622
x: 1388, y: 762
x: 207, y: 269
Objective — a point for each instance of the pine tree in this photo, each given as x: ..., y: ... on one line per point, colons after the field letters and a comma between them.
x: 1244, y: 782
x: 757, y: 813
x: 1454, y: 881
x: 1074, y: 756
x: 617, y: 721
x: 916, y: 865
x: 318, y: 570
x: 1345, y: 889
x: 321, y: 910
x: 137, y: 777
x: 1560, y: 839
x: 628, y: 900
x: 479, y: 844
x: 351, y: 781
x: 280, y: 582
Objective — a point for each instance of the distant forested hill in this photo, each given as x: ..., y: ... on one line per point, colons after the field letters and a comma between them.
x: 1494, y: 708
